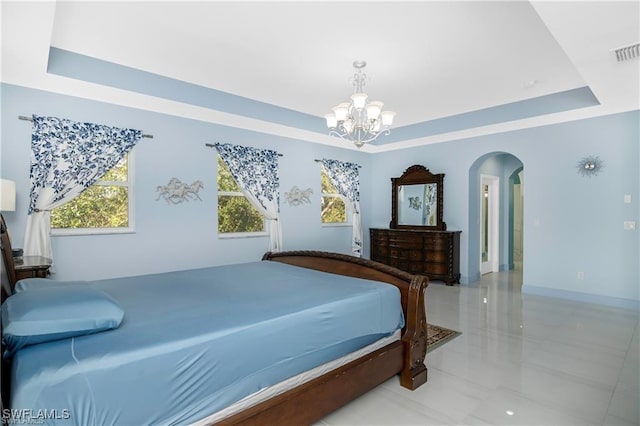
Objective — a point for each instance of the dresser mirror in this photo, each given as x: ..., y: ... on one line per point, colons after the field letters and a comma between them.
x: 416, y: 200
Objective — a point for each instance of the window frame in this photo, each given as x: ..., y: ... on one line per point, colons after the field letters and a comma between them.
x: 250, y: 234
x: 130, y: 185
x: 347, y: 208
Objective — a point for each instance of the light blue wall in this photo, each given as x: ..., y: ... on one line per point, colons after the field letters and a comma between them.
x: 169, y: 237
x: 571, y: 223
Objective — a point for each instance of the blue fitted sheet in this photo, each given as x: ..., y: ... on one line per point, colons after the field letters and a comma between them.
x: 193, y: 342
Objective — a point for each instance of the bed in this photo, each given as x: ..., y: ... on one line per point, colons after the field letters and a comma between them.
x: 344, y: 324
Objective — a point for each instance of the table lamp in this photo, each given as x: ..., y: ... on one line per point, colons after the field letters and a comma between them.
x: 7, y: 197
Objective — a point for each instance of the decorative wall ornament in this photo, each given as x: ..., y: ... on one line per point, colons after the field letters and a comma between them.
x: 415, y: 203
x: 295, y: 197
x: 176, y: 192
x: 590, y: 165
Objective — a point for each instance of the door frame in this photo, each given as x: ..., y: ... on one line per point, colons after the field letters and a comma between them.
x: 493, y: 182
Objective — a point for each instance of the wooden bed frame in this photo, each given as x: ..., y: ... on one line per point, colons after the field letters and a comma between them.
x: 315, y: 399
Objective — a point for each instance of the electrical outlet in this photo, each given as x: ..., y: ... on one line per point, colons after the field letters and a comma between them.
x: 581, y: 275
x: 629, y: 225
x: 627, y: 198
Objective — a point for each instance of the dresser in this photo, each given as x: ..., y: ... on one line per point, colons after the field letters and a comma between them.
x: 433, y: 253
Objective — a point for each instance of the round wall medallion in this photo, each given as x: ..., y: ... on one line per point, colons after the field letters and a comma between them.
x: 589, y: 166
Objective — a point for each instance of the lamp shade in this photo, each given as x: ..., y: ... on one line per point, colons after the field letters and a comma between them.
x: 373, y: 110
x: 332, y: 121
x: 387, y: 117
x: 359, y: 100
x: 341, y: 111
x: 7, y: 195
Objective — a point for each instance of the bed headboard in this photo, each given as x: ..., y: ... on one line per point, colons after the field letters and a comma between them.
x: 8, y: 271
x: 8, y: 279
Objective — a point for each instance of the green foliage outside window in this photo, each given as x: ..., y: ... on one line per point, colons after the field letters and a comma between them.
x: 332, y: 206
x: 102, y: 205
x: 235, y: 212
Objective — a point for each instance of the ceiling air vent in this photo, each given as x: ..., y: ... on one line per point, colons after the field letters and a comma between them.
x: 627, y: 53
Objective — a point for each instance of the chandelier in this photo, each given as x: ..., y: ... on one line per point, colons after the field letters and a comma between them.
x: 359, y: 121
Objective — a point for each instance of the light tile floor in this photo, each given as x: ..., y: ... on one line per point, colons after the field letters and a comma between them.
x: 521, y: 360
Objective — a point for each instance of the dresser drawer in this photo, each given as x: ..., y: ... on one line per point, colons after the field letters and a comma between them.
x: 407, y: 243
x: 437, y: 243
x: 379, y: 241
x: 379, y: 252
x: 402, y: 253
x: 436, y: 255
x: 436, y: 268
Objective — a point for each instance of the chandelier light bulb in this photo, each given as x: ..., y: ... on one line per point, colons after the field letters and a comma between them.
x: 348, y: 125
x: 359, y: 121
x: 332, y: 121
x: 359, y: 100
x: 341, y: 111
x: 387, y: 117
x: 373, y: 109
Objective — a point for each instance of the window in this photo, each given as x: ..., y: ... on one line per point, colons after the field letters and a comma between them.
x: 235, y: 213
x: 332, y: 205
x: 104, y: 207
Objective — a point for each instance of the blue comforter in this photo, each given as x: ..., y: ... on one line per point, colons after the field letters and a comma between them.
x: 193, y: 342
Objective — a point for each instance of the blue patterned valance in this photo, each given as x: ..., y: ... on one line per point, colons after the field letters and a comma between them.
x: 345, y: 177
x: 254, y: 169
x: 67, y: 153
x: 67, y: 157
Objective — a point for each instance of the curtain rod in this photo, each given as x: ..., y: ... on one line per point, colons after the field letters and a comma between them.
x: 210, y: 145
x: 320, y: 161
x: 25, y: 118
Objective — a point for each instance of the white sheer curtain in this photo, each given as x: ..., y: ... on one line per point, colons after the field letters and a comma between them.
x: 346, y: 178
x: 66, y: 158
x: 256, y: 173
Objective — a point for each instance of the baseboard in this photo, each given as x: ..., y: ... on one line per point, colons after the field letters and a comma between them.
x: 467, y: 280
x: 582, y: 297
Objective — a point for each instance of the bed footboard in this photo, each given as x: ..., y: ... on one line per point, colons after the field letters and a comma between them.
x: 312, y: 401
x: 412, y: 289
x: 414, y: 372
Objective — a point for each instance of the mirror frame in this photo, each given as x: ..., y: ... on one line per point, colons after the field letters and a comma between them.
x: 416, y: 175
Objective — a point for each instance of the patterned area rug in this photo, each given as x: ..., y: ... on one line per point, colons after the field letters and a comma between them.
x: 438, y: 336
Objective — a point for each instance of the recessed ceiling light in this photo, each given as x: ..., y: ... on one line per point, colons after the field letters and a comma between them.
x: 530, y: 83
x: 509, y: 413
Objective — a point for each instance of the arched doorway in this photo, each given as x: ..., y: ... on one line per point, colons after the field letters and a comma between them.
x: 495, y: 229
x: 516, y: 219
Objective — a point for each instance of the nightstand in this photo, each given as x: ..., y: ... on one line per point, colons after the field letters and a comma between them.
x: 31, y: 267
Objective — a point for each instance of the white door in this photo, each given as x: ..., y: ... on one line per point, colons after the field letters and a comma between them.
x: 489, y: 220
